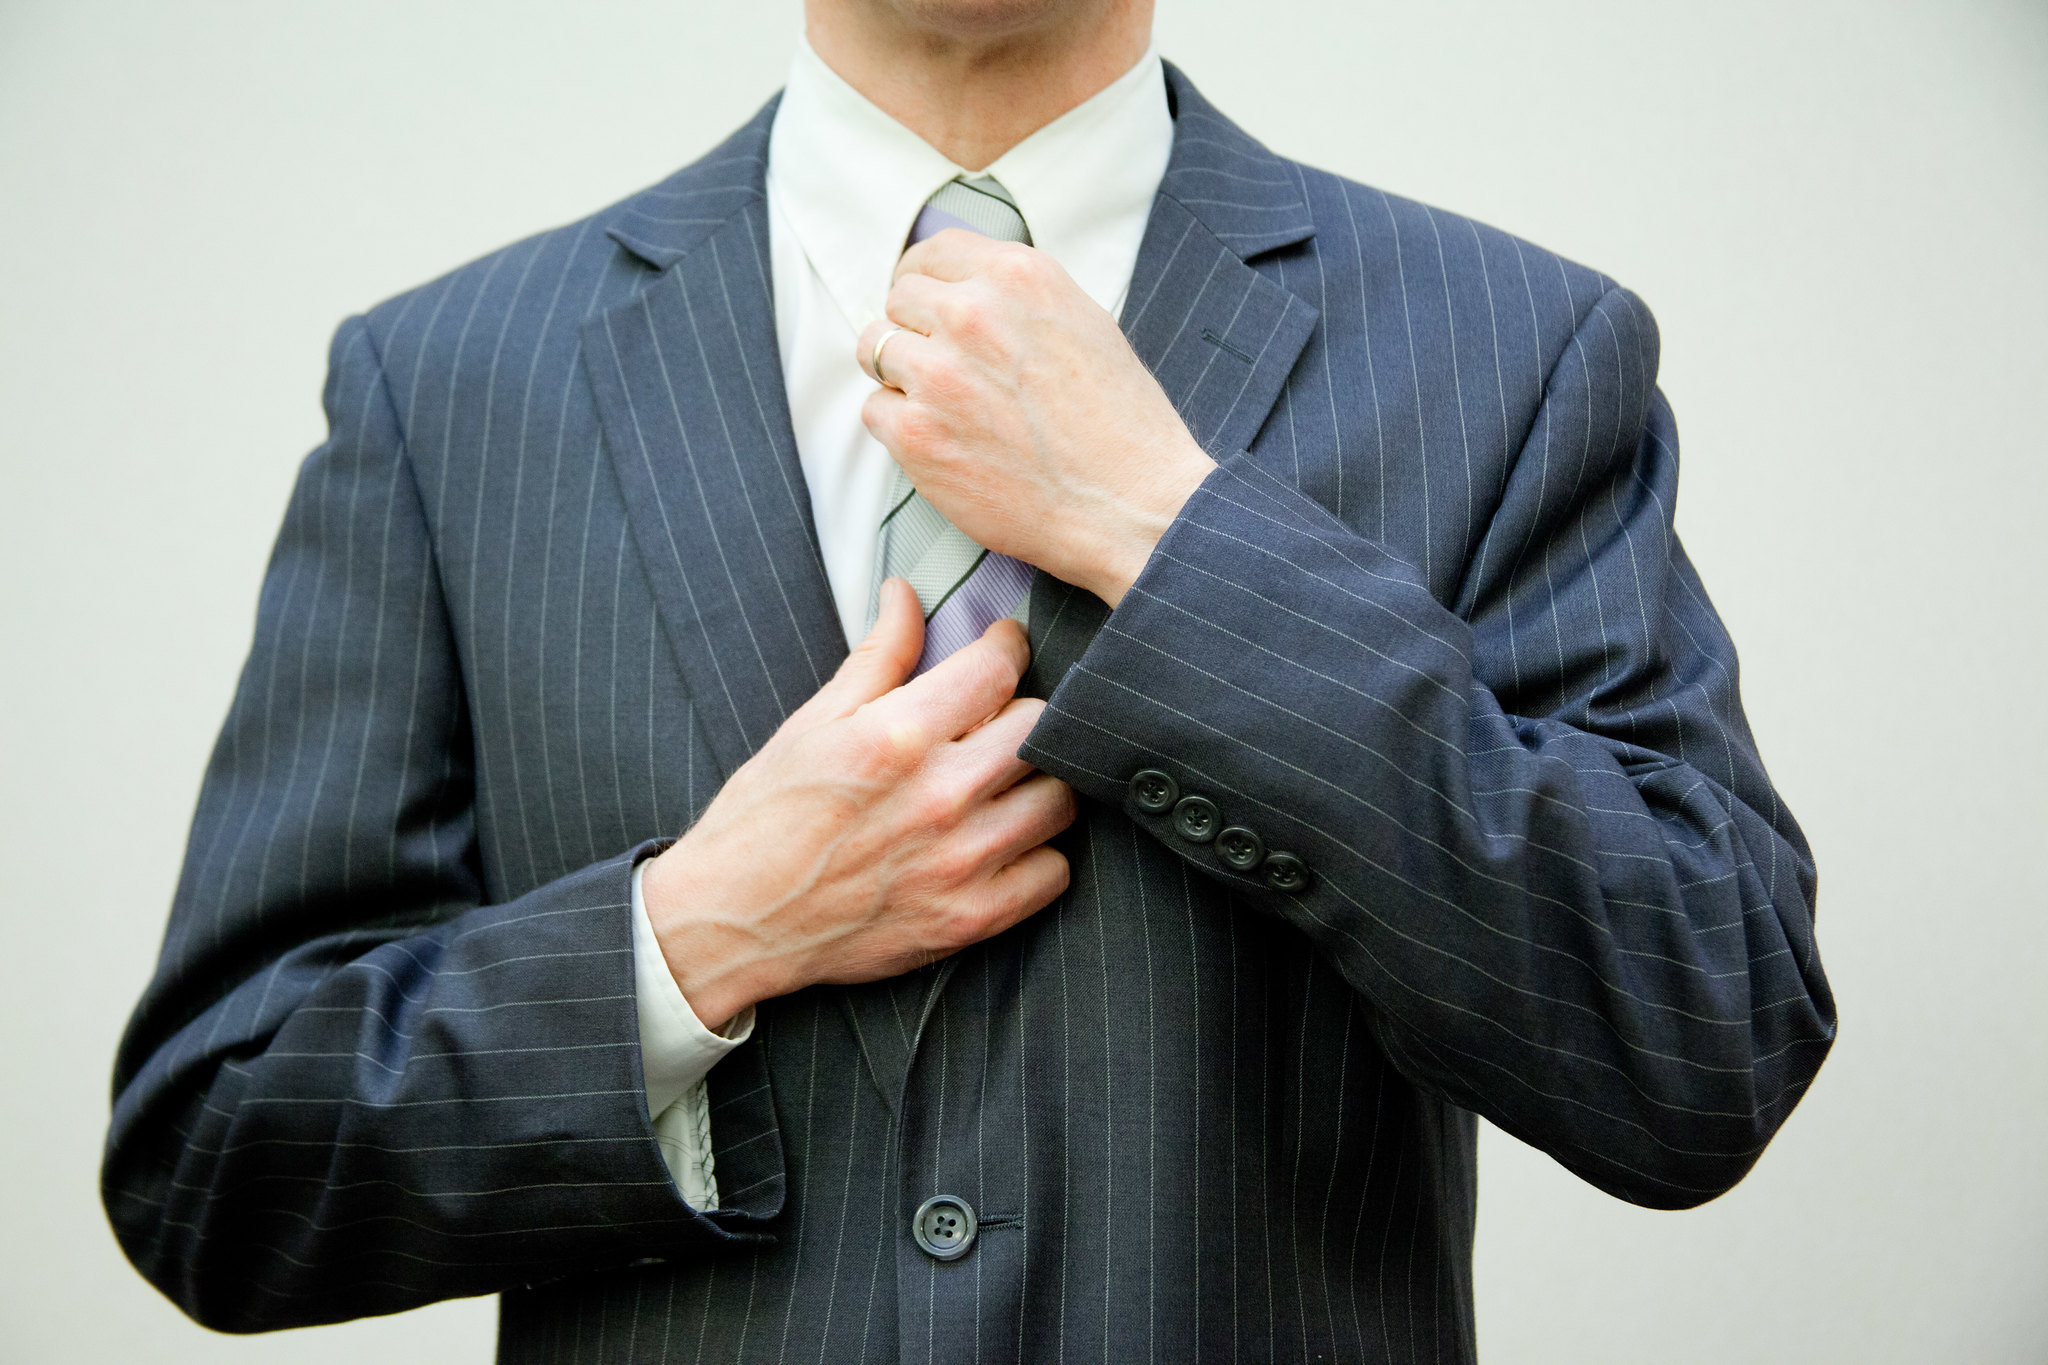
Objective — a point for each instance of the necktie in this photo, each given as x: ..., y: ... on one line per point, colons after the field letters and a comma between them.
x: 963, y: 587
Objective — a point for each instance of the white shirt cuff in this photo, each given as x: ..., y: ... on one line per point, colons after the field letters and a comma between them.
x: 676, y: 1053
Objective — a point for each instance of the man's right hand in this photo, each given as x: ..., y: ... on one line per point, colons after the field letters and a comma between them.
x: 885, y: 825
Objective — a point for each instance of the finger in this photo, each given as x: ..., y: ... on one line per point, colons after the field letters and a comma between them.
x: 965, y: 688
x: 988, y: 752
x: 1007, y: 825
x: 902, y: 350
x: 954, y: 254
x: 1020, y: 889
x: 882, y: 414
x: 879, y: 664
x: 918, y: 302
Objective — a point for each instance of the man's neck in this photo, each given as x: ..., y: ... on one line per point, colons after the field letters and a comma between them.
x: 973, y: 90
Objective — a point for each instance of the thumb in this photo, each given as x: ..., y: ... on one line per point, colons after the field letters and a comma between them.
x: 879, y: 663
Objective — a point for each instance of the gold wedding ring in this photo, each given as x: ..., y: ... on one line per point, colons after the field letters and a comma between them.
x: 875, y: 359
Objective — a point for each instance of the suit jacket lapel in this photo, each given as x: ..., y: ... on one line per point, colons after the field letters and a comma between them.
x: 688, y: 383
x: 1220, y: 336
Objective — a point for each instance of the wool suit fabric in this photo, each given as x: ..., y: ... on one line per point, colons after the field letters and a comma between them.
x: 553, y: 576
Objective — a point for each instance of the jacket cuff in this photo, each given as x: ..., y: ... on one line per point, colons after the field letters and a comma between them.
x: 1205, y: 701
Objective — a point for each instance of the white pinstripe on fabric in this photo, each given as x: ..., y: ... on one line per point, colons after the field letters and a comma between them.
x: 1429, y: 629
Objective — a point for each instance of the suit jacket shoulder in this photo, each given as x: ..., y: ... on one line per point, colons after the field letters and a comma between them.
x: 519, y: 299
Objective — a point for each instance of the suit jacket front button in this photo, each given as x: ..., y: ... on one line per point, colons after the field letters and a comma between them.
x: 1285, y: 872
x: 1240, y: 849
x: 1154, y: 791
x: 944, y: 1225
x: 1196, y: 819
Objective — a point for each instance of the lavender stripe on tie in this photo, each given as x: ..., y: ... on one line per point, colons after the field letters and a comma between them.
x: 962, y: 595
x: 932, y: 220
x: 989, y: 594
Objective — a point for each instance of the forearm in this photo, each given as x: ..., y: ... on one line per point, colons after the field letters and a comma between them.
x: 1589, y: 940
x: 379, y: 1120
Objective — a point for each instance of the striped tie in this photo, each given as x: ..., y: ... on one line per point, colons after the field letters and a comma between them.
x: 963, y: 588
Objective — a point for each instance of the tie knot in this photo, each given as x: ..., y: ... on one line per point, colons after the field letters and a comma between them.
x: 978, y: 203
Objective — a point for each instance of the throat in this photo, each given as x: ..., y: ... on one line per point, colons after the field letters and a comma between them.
x: 974, y: 78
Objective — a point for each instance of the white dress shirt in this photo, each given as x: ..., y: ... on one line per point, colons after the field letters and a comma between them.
x: 845, y: 182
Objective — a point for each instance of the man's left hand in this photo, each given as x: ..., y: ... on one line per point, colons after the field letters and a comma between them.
x: 1019, y: 410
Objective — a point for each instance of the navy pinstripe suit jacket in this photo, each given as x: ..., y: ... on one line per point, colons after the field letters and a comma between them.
x: 553, y: 575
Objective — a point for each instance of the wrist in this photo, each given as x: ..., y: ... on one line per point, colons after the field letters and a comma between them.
x: 1145, y: 520
x: 706, y: 956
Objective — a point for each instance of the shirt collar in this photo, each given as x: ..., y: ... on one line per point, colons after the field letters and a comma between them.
x: 850, y: 180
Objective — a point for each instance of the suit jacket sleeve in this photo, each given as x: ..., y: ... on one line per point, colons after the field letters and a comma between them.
x: 1542, y: 846
x: 352, y: 1086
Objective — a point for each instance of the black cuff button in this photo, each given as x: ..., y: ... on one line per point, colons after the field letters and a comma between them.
x: 1285, y: 872
x: 1196, y: 819
x: 1154, y: 791
x: 1240, y: 848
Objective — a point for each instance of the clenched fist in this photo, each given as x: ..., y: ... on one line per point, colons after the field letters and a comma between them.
x: 1021, y: 412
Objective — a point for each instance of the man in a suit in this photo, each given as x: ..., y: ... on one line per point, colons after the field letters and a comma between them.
x: 1280, y: 725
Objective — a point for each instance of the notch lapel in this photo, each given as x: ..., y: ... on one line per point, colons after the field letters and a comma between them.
x: 1219, y: 335
x: 688, y: 382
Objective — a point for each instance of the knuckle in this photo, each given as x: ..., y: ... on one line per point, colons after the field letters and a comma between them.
x: 944, y: 378
x: 988, y: 919
x: 987, y: 662
x: 998, y: 670
x: 1014, y: 265
x: 917, y: 427
x: 967, y: 319
x: 977, y: 674
x: 954, y: 867
x: 867, y: 758
x: 941, y: 804
x: 880, y: 748
x: 963, y: 926
x: 1016, y: 717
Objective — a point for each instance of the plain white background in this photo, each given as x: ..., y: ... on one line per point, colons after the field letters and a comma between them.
x: 1837, y: 211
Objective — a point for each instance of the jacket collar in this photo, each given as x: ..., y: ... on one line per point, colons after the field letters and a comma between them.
x: 1242, y: 194
x: 665, y: 222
